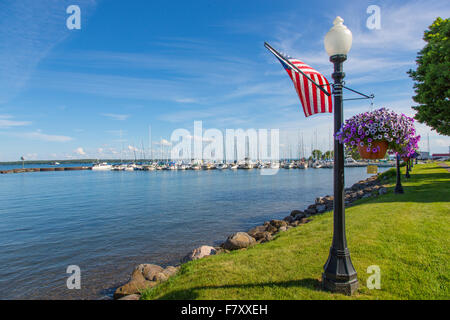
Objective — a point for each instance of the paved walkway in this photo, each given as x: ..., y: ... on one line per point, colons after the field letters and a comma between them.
x: 445, y: 166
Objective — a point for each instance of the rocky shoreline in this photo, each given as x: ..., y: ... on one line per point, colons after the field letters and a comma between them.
x: 147, y: 276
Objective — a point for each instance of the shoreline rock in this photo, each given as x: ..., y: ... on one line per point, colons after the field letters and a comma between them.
x: 239, y: 240
x: 199, y: 253
x: 146, y: 276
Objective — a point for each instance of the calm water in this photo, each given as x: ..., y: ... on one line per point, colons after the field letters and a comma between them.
x: 107, y: 222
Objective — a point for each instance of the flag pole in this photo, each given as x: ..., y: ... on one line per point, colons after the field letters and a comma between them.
x: 279, y: 56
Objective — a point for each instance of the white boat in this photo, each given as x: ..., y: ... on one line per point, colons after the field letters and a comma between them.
x: 208, y: 166
x: 289, y: 165
x: 119, y: 167
x: 275, y: 165
x: 130, y: 167
x: 317, y: 165
x: 222, y: 166
x: 102, y: 167
x: 234, y: 166
x: 246, y: 164
x: 303, y: 165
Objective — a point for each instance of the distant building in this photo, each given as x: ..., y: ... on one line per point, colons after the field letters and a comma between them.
x: 423, y: 155
x: 441, y: 156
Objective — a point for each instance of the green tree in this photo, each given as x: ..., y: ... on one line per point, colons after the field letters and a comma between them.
x: 316, y: 154
x: 329, y: 154
x: 432, y: 78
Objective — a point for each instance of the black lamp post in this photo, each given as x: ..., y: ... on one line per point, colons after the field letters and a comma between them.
x: 407, y: 176
x: 398, y: 186
x: 339, y: 275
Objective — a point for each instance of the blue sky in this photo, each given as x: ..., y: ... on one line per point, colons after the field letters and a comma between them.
x: 89, y: 93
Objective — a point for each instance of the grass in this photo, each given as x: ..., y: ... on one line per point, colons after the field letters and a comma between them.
x: 407, y: 236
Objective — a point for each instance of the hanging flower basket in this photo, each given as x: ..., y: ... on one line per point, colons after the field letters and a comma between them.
x: 374, y: 133
x: 377, y: 150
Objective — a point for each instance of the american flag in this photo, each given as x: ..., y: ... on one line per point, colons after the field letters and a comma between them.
x: 312, y: 98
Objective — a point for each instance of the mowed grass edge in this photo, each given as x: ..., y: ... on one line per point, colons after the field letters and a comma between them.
x: 407, y: 236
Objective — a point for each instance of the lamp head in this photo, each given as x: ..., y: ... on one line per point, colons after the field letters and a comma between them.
x: 338, y: 40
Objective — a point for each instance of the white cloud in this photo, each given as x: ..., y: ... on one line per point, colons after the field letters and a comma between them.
x: 163, y: 142
x: 132, y: 148
x: 80, y: 151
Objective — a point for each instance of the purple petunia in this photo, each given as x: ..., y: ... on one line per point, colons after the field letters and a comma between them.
x: 363, y: 129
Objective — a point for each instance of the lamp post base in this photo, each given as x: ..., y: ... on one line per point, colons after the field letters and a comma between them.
x: 347, y: 287
x: 339, y: 274
x: 399, y: 190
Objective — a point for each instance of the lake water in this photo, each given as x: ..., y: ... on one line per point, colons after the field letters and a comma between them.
x: 107, y: 222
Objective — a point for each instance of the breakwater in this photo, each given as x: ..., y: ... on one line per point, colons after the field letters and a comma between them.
x: 23, y: 170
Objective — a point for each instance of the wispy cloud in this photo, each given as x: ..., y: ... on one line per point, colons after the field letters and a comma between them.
x: 402, y: 25
x: 6, y: 122
x: 39, y: 135
x: 115, y: 116
x: 30, y: 29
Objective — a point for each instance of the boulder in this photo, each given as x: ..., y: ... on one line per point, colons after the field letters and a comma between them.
x: 263, y: 237
x: 295, y: 213
x: 133, y: 287
x: 321, y: 208
x: 199, y: 253
x: 382, y: 191
x: 278, y: 223
x: 320, y: 200
x: 257, y: 229
x: 171, y: 271
x: 300, y: 217
x: 288, y: 219
x: 311, y: 211
x: 161, y: 277
x: 303, y: 221
x: 239, y: 240
x: 295, y: 223
x: 271, y: 229
x: 149, y: 271
x: 368, y: 190
x: 131, y: 297
x: 282, y: 228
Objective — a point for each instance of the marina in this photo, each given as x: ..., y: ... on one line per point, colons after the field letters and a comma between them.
x: 199, y: 165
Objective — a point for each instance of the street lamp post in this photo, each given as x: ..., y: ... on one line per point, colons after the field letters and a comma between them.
x: 339, y: 274
x: 398, y: 186
x: 407, y: 169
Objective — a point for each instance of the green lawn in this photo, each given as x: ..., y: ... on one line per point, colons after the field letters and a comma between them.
x: 407, y: 236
